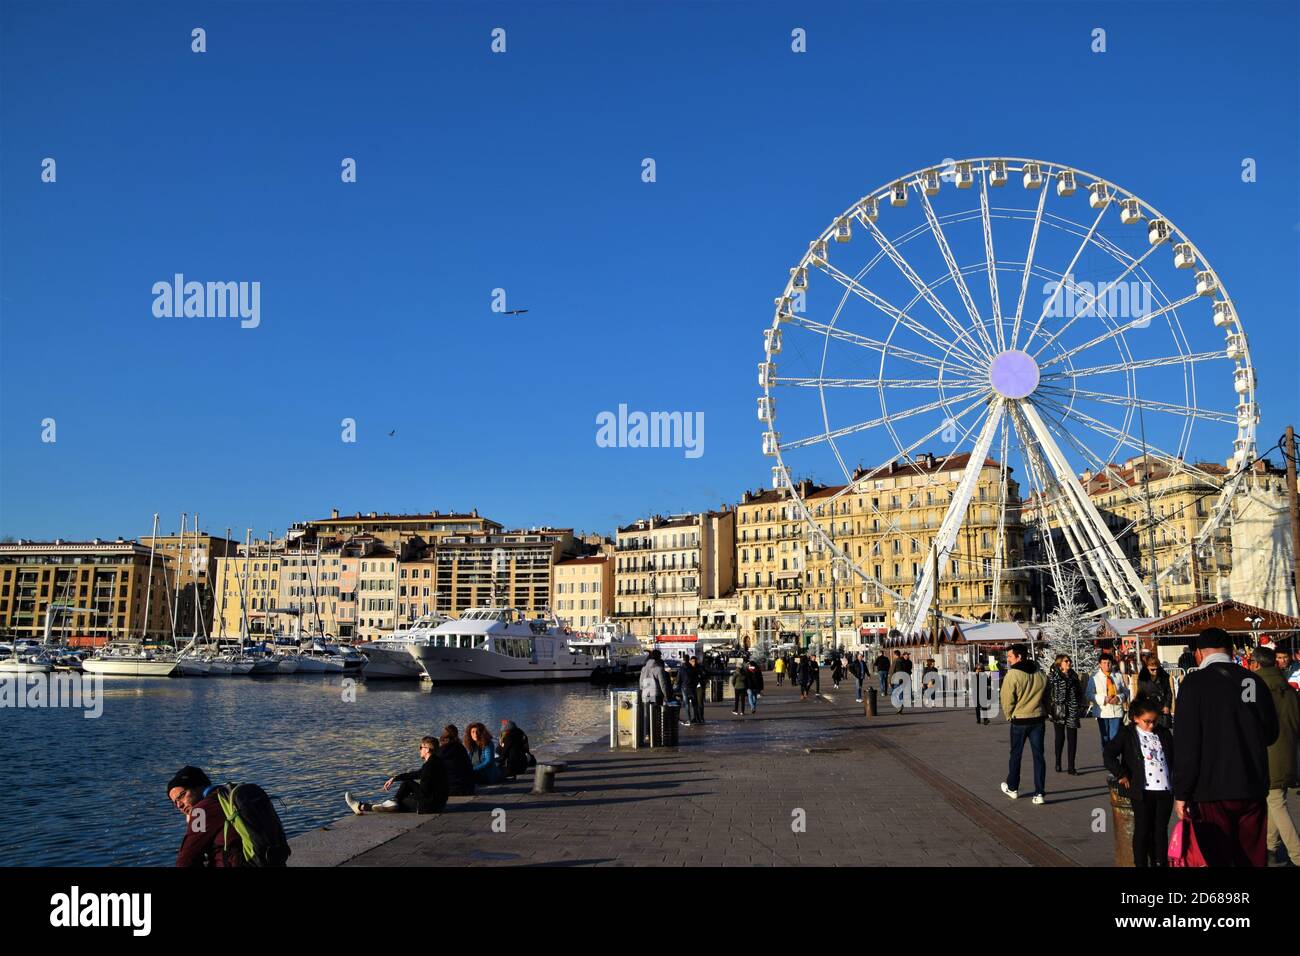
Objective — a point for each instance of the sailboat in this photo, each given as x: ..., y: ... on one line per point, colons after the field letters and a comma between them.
x: 134, y: 658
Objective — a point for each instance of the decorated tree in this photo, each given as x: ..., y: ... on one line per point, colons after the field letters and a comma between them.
x: 1068, y: 629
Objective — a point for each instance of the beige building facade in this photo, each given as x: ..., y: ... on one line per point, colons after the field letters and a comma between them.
x: 583, y: 591
x: 664, y: 567
x: 107, y: 580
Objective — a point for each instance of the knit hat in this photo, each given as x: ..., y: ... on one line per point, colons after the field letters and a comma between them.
x: 190, y: 778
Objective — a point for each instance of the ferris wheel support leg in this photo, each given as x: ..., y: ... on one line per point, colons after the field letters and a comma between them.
x: 1132, y: 593
x: 952, y: 520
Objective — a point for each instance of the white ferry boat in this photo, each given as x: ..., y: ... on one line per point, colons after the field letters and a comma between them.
x: 492, y: 645
x: 395, y: 656
x: 615, y: 651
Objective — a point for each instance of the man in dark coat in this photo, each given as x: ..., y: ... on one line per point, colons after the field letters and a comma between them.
x: 1226, y: 722
x: 513, y: 746
x: 688, y: 678
x: 419, y: 791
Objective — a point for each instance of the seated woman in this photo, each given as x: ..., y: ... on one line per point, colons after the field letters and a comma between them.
x: 460, y: 772
x: 482, y: 754
x: 514, y: 749
x: 420, y: 791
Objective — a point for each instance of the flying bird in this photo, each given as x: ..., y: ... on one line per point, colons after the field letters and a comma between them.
x: 392, y: 433
x: 515, y: 312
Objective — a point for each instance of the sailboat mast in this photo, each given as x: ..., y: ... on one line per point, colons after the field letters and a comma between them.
x: 224, y: 565
x: 148, y: 584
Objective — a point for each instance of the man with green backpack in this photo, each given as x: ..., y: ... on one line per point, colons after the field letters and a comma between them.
x: 226, y: 825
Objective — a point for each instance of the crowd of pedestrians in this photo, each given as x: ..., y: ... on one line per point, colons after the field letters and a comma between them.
x: 1220, y: 753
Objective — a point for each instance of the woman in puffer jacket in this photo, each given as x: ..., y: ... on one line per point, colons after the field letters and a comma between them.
x: 1065, y: 706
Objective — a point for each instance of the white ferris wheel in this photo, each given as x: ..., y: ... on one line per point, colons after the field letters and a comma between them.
x: 1010, y: 314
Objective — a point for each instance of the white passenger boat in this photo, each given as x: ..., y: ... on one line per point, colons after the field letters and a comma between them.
x: 391, y: 657
x: 499, y: 645
x: 615, y: 651
x: 123, y: 659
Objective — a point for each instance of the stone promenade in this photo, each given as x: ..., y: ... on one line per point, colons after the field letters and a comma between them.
x: 801, y: 783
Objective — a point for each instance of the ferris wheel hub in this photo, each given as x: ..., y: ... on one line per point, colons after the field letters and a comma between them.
x: 1013, y: 374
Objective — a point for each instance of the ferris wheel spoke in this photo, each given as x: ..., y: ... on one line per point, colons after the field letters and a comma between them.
x: 877, y: 422
x: 953, y: 518
x: 1049, y: 337
x: 875, y: 345
x: 999, y: 541
x: 909, y: 273
x: 867, y: 382
x: 990, y: 260
x: 1095, y: 461
x: 1066, y: 274
x: 1054, y: 504
x: 1134, y: 365
x: 945, y: 346
x: 951, y: 421
x: 1124, y: 439
x: 1120, y: 580
x: 1141, y: 322
x: 959, y: 281
x: 1029, y: 265
x: 1124, y: 401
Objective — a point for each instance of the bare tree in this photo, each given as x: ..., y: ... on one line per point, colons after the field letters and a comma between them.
x: 1067, y: 630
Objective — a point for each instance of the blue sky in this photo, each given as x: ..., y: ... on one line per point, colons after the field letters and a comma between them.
x: 522, y: 171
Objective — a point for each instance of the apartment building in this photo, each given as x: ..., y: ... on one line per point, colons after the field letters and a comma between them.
x: 583, y: 591
x: 666, y: 565
x: 108, y: 582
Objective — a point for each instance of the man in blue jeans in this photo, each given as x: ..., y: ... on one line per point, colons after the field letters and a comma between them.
x: 1024, y: 701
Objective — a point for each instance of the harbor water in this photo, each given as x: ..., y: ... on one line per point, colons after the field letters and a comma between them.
x: 92, y: 792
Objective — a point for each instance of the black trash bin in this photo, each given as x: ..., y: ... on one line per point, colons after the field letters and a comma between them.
x: 654, y: 723
x: 715, y: 690
x: 670, y: 714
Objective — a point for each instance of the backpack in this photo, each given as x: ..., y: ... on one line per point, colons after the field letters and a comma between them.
x: 248, y: 809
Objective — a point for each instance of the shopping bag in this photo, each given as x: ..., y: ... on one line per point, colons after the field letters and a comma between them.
x: 1183, y: 850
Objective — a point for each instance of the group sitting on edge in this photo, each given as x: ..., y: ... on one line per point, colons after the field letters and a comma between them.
x: 453, y: 767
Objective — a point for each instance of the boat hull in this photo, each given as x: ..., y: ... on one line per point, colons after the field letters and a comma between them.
x: 450, y: 665
x: 23, y: 667
x: 393, y: 662
x: 193, y: 667
x: 109, y: 667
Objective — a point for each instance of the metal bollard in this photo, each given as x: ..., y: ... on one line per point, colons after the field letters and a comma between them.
x: 1121, y: 819
x: 871, y: 702
x: 544, y: 779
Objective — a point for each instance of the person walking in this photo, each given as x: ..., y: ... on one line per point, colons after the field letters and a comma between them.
x: 779, y: 668
x: 1065, y: 707
x: 837, y: 671
x: 881, y: 665
x: 1024, y: 701
x: 1141, y: 758
x: 753, y: 685
x: 1226, y: 723
x: 1281, y: 757
x: 688, y: 676
x: 739, y: 686
x: 697, y: 694
x: 1108, y: 698
x: 1154, y: 684
x: 858, y: 668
